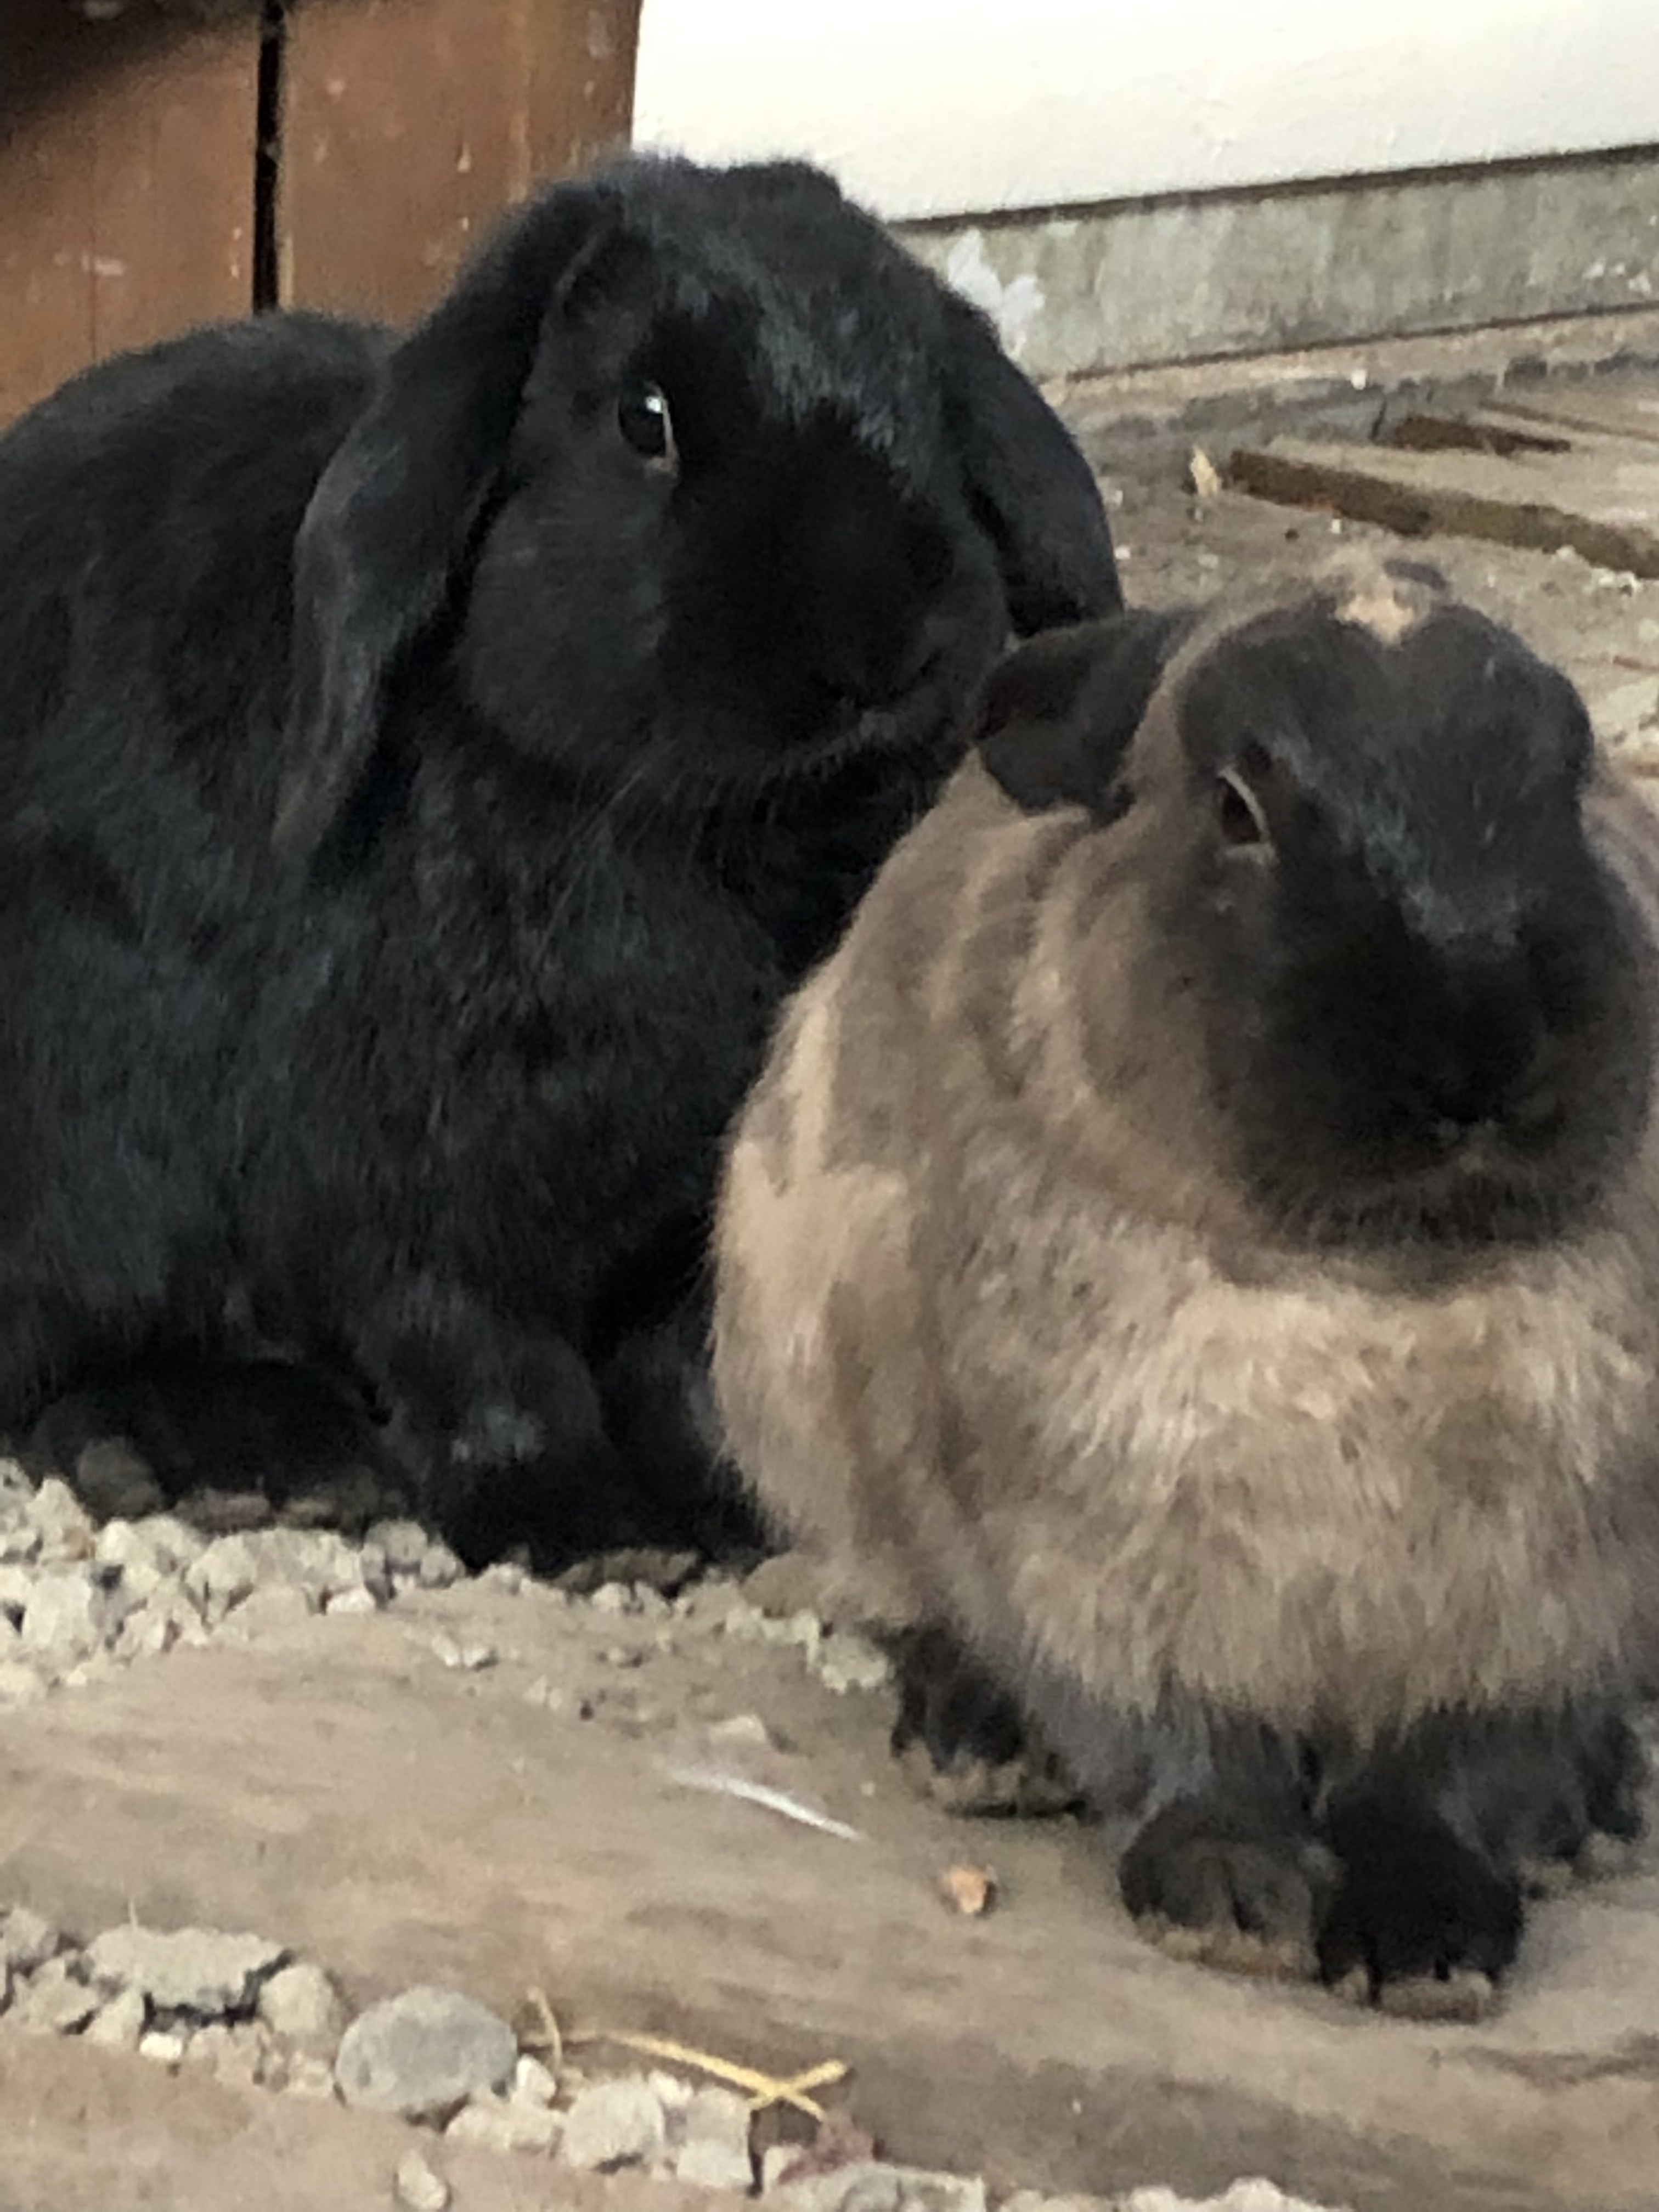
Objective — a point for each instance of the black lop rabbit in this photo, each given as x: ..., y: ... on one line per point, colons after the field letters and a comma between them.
x: 424, y: 765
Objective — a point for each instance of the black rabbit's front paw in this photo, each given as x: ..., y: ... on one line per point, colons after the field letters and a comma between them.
x: 963, y: 1740
x: 1229, y: 1884
x: 1419, y: 1923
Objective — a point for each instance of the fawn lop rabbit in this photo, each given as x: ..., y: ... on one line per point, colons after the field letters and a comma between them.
x: 1193, y: 1254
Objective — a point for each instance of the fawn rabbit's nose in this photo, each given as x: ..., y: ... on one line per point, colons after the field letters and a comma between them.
x: 1495, y: 1072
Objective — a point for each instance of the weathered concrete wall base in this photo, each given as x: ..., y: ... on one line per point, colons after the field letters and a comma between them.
x: 1080, y: 291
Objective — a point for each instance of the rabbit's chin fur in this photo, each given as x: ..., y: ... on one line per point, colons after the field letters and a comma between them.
x: 425, y: 760
x: 1012, y: 1327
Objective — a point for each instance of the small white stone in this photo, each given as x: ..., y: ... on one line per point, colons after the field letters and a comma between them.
x: 741, y: 1731
x: 846, y: 1661
x: 159, y: 1542
x: 613, y: 1597
x: 301, y: 2004
x: 220, y: 1577
x: 201, y: 1970
x: 308, y: 2076
x: 532, y: 2082
x: 712, y: 2165
x: 439, y: 1568
x: 418, y: 2187
x: 52, y: 2001
x: 165, y: 2045
x: 361, y: 1600
x: 68, y: 1616
x: 720, y: 2116
x: 16, y: 1584
x: 149, y: 1633
x: 468, y: 1657
x: 504, y: 2124
x: 272, y: 1605
x: 20, y: 1684
x: 424, y: 2054
x: 63, y: 1523
x: 121, y: 2022
x: 28, y: 1940
x: 613, y: 2124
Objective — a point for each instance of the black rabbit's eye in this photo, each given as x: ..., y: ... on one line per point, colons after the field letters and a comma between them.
x: 1237, y: 812
x: 643, y: 418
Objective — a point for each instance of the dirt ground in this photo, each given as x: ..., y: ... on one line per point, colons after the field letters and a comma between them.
x: 333, y: 1783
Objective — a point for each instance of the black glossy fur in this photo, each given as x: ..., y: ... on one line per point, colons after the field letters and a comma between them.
x: 424, y: 765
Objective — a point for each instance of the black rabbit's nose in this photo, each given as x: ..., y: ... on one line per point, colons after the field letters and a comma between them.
x: 875, y: 580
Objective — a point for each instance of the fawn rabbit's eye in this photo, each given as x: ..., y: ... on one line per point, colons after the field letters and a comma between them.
x: 643, y: 418
x: 1238, y: 811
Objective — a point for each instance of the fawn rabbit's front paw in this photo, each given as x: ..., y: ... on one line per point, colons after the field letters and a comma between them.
x: 1229, y: 1884
x: 1419, y: 1923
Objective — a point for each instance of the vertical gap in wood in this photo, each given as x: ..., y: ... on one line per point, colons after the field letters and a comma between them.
x: 268, y: 157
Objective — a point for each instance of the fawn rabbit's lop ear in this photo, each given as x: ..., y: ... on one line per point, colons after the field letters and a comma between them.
x: 1032, y: 490
x: 394, y: 512
x: 1058, y: 714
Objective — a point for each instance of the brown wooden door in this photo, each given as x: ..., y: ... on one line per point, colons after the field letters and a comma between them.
x: 407, y: 124
x: 126, y: 185
x: 132, y: 193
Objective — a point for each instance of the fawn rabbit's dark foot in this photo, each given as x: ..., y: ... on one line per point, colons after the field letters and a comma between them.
x: 1230, y: 1883
x: 1420, y: 1922
x: 1559, y: 1797
x: 963, y: 1741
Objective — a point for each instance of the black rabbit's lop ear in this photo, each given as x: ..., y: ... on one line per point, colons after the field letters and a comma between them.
x: 395, y: 509
x: 1034, y: 493
x: 1057, y: 715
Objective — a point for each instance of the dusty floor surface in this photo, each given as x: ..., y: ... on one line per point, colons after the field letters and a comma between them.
x: 334, y: 1784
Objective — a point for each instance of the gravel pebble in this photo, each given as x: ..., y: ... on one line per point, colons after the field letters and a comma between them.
x: 221, y: 1575
x: 424, y: 2054
x: 612, y: 2123
x: 119, y: 2024
x: 468, y: 1654
x: 532, y: 2082
x: 54, y: 2001
x: 309, y: 2077
x: 68, y: 1616
x: 198, y: 1969
x: 713, y: 2165
x: 60, y: 1521
x: 505, y: 2124
x: 301, y: 2004
x: 870, y: 2186
x: 19, y: 1683
x: 165, y: 2045
x: 1250, y: 2195
x: 417, y: 2187
x: 845, y: 1660
x: 160, y: 1544
x: 439, y: 1568
x: 358, y: 1600
x: 16, y: 1582
x: 28, y: 1940
x: 242, y: 2054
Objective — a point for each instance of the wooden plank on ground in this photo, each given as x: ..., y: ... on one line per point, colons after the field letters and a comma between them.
x: 126, y: 185
x: 1626, y: 409
x: 337, y: 1788
x: 1600, y: 495
x: 409, y: 125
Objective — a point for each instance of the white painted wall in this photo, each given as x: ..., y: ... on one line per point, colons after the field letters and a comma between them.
x: 962, y: 106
